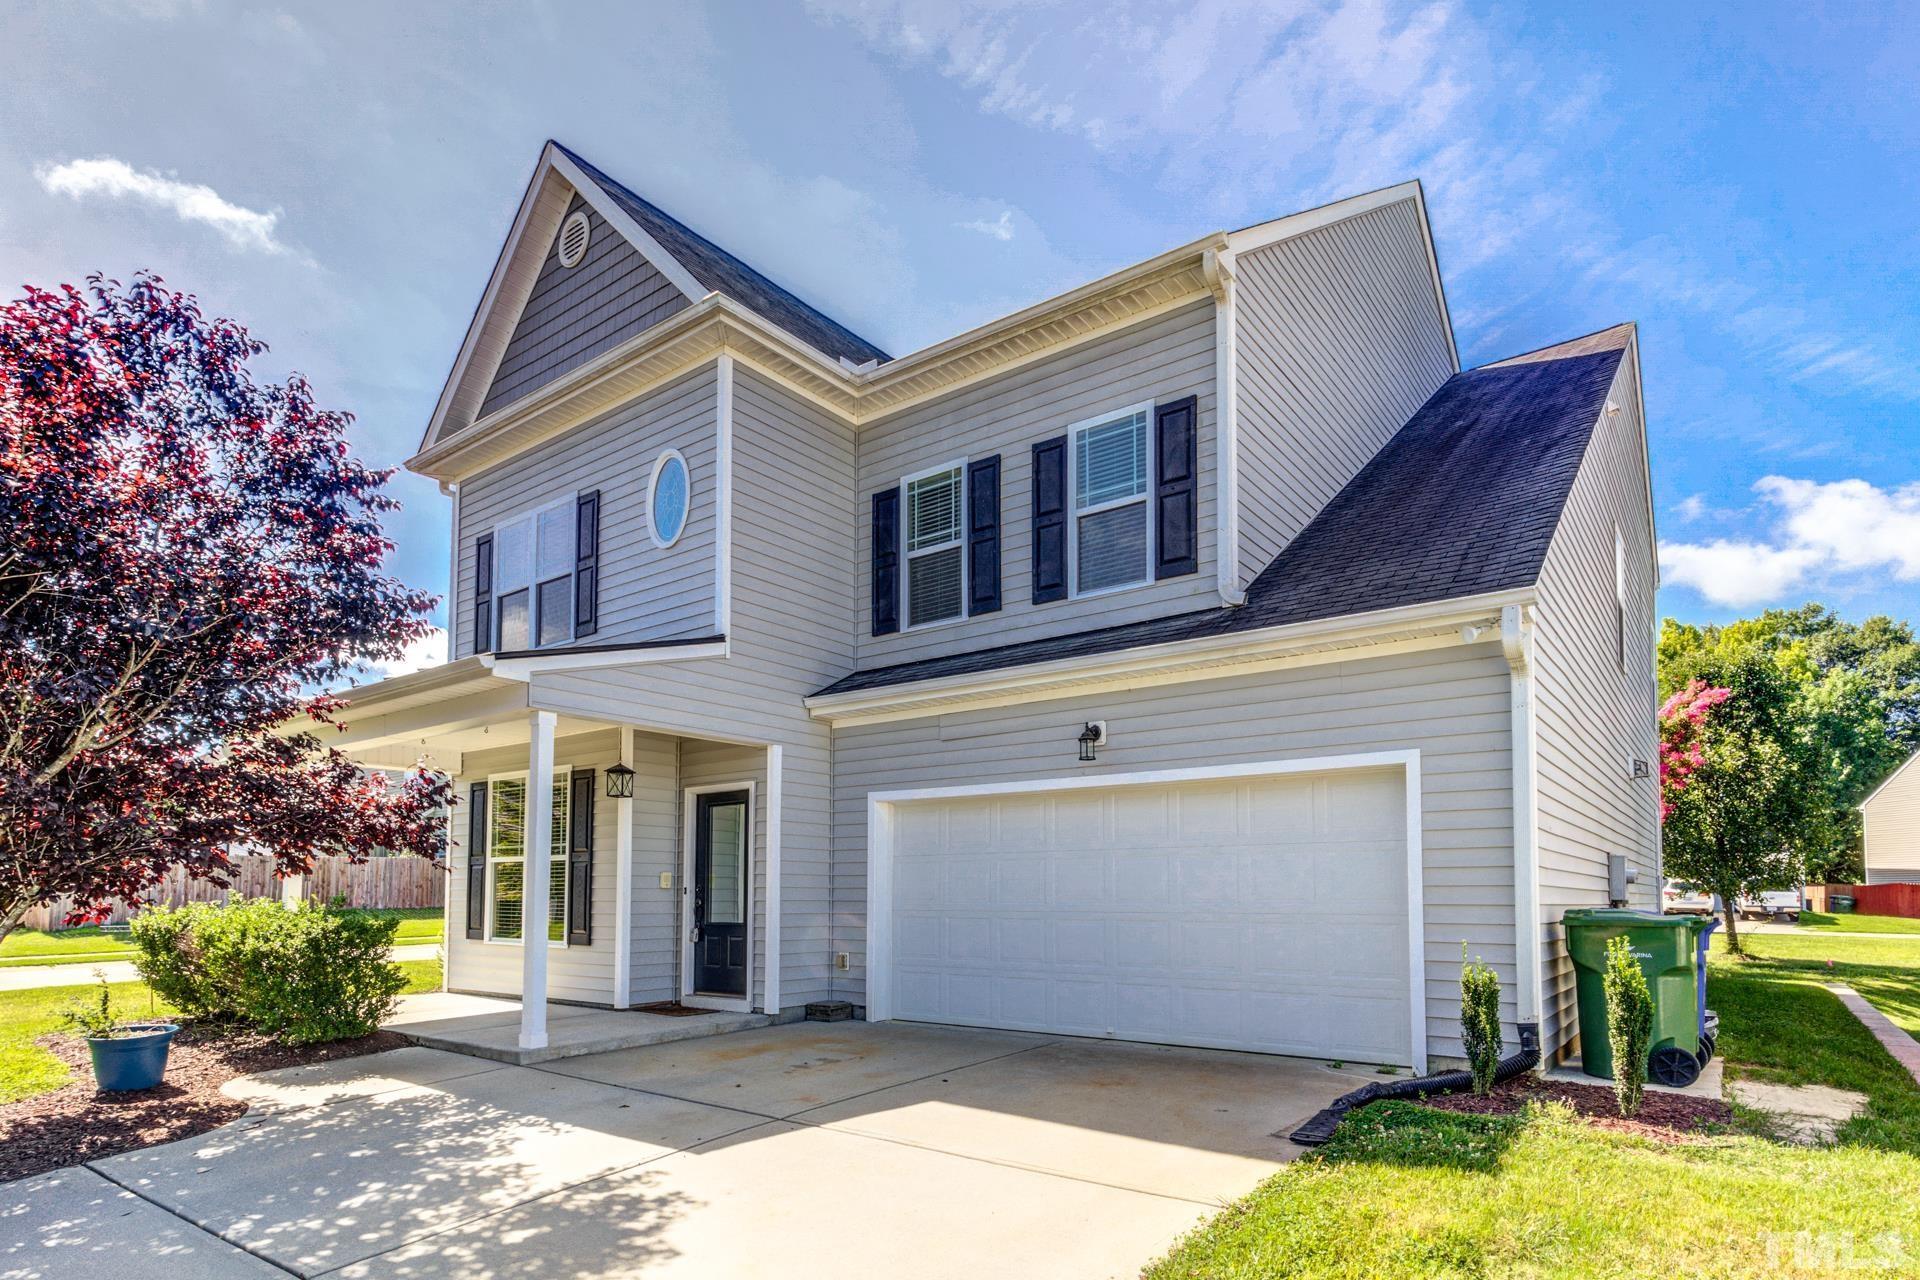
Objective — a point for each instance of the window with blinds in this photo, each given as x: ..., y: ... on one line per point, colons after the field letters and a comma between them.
x: 507, y: 858
x: 1111, y: 481
x: 533, y: 566
x: 936, y: 552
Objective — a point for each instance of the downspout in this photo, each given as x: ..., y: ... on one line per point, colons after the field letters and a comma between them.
x: 1516, y: 644
x: 1217, y: 265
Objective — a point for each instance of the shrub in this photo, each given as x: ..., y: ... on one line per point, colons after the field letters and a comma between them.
x: 1480, y: 1020
x: 307, y: 975
x: 1629, y: 1023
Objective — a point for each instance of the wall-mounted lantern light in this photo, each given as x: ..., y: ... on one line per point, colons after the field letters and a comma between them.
x: 619, y: 782
x: 1094, y: 735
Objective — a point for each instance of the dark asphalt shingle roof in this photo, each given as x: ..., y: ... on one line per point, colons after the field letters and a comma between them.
x: 1463, y: 500
x: 723, y: 273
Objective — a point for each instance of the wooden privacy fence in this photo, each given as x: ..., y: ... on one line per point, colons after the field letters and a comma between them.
x: 403, y: 881
x: 1887, y: 899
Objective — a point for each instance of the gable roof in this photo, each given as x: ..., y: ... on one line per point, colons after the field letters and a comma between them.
x: 1889, y: 780
x: 1462, y: 501
x: 723, y: 273
x: 696, y: 266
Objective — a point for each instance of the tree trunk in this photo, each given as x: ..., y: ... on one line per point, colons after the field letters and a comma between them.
x: 1730, y: 913
x: 11, y: 915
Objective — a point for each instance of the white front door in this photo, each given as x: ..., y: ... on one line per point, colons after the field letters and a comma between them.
x: 1263, y: 913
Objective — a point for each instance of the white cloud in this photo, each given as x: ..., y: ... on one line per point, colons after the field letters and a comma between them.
x: 430, y: 650
x: 1691, y: 507
x: 245, y: 229
x: 1000, y: 228
x: 1839, y: 533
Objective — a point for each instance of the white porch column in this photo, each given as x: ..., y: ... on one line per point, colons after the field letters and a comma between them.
x: 623, y: 881
x: 775, y: 767
x: 538, y: 876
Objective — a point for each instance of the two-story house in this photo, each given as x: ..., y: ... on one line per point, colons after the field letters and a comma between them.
x: 1199, y: 656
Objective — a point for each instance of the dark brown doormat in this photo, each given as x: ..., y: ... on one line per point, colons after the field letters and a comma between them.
x: 670, y: 1009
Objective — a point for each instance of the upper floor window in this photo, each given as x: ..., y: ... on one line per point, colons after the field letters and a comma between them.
x: 936, y: 552
x: 1112, y: 534
x: 668, y: 499
x: 533, y: 565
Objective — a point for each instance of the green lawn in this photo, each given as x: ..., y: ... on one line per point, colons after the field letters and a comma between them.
x: 25, y: 1016
x: 90, y: 945
x: 85, y: 945
x: 1405, y: 1191
x: 1859, y: 924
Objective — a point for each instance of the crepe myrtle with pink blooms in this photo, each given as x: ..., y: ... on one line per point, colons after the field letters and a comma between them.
x: 1683, y: 722
x: 185, y: 553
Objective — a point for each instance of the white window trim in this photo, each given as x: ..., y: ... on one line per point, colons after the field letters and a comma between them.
x: 653, y: 485
x: 553, y: 856
x: 906, y: 556
x: 882, y: 807
x: 531, y: 516
x: 689, y: 809
x: 1075, y: 512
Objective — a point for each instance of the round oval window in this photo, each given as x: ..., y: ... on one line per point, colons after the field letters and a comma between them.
x: 667, y: 507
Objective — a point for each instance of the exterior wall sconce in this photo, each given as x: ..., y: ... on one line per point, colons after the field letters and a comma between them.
x: 619, y: 782
x: 1094, y: 735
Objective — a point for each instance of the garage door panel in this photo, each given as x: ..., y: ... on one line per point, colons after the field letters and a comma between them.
x: 1264, y: 914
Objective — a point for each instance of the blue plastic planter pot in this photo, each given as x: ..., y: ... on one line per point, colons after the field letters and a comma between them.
x: 136, y: 1061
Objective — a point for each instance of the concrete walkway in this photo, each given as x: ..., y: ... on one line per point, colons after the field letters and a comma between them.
x: 26, y: 977
x: 1893, y: 1037
x: 800, y: 1151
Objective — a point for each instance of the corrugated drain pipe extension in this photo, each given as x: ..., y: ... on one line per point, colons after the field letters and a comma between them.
x: 1315, y: 1132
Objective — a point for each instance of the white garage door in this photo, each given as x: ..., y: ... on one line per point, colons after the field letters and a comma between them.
x: 1252, y: 913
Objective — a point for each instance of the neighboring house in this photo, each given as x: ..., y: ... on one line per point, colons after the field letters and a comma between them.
x: 1197, y: 657
x: 1890, y: 828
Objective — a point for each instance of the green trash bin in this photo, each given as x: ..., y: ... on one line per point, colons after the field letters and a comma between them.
x: 1671, y: 953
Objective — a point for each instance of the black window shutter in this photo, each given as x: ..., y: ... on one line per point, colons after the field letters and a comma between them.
x: 886, y: 561
x: 483, y: 593
x: 477, y: 860
x: 983, y: 535
x: 1050, y: 520
x: 586, y: 574
x: 1176, y: 501
x: 580, y: 861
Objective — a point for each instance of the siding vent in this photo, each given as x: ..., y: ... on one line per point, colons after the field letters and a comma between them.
x: 573, y: 238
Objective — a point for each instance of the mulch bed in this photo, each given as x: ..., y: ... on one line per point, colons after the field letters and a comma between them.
x: 77, y: 1123
x: 1665, y: 1117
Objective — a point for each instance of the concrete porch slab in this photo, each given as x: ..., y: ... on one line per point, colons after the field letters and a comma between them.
x: 489, y: 1027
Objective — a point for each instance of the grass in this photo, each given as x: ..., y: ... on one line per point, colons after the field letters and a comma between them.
x: 27, y: 1069
x: 1859, y: 924
x: 89, y: 944
x: 1405, y: 1191
x: 85, y: 945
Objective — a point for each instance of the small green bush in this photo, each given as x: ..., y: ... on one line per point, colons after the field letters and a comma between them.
x: 307, y: 975
x: 1629, y: 1023
x: 1480, y: 1020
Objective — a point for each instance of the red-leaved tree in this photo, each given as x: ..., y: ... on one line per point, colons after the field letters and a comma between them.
x: 185, y: 553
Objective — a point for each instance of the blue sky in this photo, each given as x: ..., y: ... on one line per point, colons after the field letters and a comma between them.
x: 1742, y: 183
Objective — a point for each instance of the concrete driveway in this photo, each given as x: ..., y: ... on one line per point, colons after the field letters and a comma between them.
x: 794, y: 1151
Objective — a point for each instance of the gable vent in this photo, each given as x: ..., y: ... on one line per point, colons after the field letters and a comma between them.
x: 573, y: 239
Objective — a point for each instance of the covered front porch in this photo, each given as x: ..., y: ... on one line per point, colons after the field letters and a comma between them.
x: 644, y: 873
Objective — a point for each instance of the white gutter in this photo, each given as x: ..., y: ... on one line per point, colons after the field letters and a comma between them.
x: 1457, y: 621
x: 1516, y: 642
x: 561, y: 660
x: 1226, y: 428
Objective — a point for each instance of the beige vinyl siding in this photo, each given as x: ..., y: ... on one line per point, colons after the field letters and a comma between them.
x: 1163, y: 359
x: 1891, y: 819
x: 1591, y: 717
x: 581, y: 975
x: 646, y: 592
x: 1451, y: 705
x: 575, y: 313
x: 792, y: 632
x: 1339, y: 339
x: 655, y: 972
